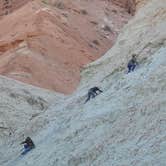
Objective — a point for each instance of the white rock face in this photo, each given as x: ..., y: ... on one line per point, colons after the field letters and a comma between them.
x: 123, y: 126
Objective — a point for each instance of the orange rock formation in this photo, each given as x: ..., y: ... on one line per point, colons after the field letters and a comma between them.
x: 47, y: 43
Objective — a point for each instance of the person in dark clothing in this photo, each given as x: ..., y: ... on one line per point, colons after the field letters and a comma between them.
x: 132, y: 63
x: 28, y: 145
x: 92, y: 92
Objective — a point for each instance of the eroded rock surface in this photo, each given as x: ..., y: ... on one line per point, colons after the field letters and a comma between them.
x: 125, y: 125
x: 46, y: 43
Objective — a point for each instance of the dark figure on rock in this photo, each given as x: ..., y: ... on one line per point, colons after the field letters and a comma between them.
x: 132, y: 63
x: 28, y: 145
x: 93, y: 92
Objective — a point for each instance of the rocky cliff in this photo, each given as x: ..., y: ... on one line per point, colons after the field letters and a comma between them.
x: 125, y: 125
x: 46, y: 43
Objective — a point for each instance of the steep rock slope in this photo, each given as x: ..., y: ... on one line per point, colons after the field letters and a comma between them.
x: 47, y: 43
x: 143, y: 35
x: 125, y: 125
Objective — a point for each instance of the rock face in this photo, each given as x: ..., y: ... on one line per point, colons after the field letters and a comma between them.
x: 125, y: 125
x: 9, y: 6
x: 130, y: 5
x: 47, y: 43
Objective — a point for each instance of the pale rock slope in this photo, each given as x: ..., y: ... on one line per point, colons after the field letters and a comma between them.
x: 123, y: 126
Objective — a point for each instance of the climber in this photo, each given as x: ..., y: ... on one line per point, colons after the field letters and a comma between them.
x: 92, y: 92
x: 132, y: 63
x: 28, y: 145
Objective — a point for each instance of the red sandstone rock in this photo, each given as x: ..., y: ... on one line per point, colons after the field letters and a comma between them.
x: 46, y: 44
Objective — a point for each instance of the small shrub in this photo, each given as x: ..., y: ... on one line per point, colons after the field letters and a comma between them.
x: 59, y: 5
x: 45, y: 2
x: 94, y: 22
x: 107, y: 28
x: 84, y: 12
x: 96, y: 42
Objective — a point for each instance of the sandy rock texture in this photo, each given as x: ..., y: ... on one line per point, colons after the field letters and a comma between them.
x: 9, y: 6
x: 46, y: 43
x: 123, y: 126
